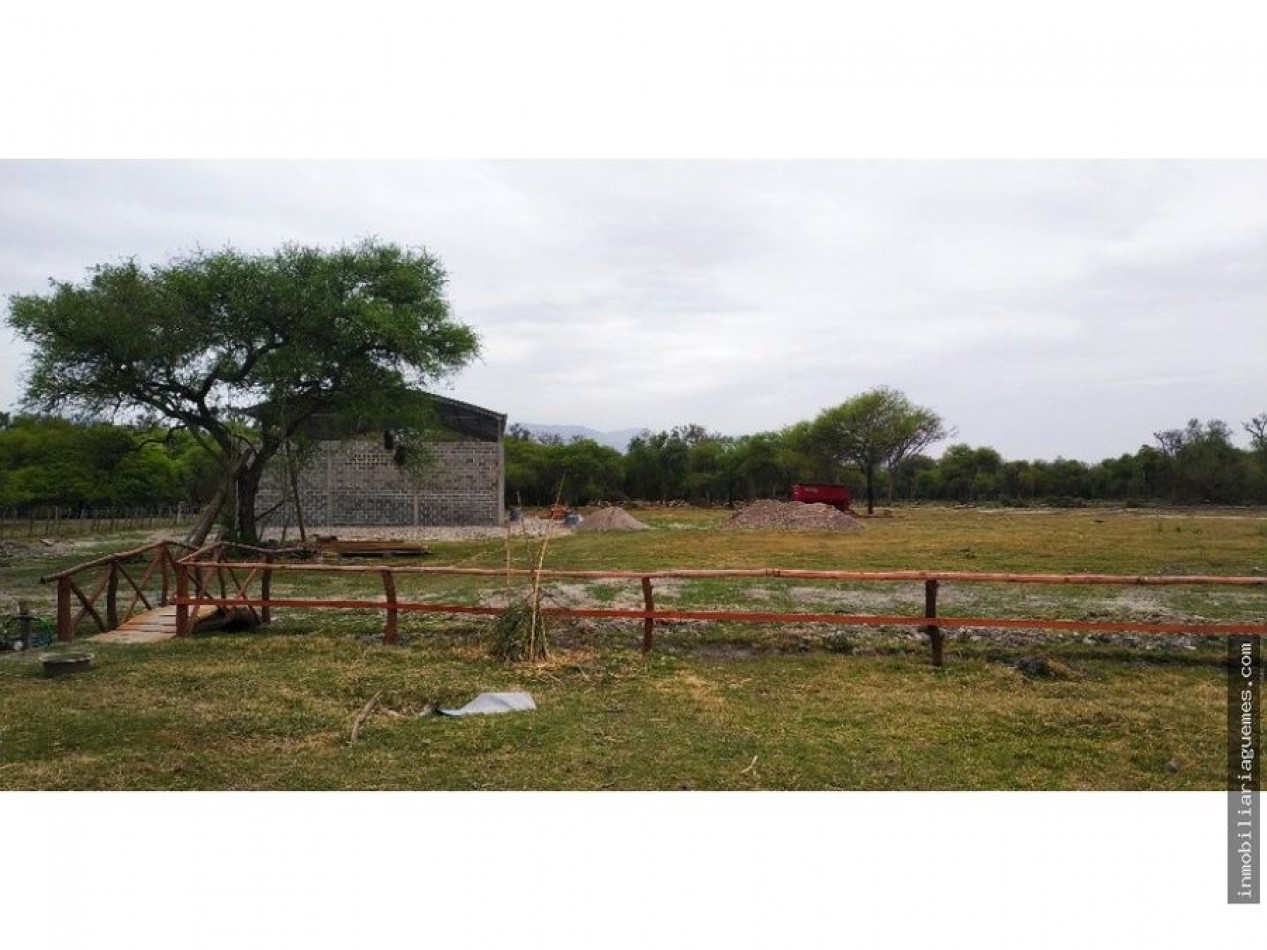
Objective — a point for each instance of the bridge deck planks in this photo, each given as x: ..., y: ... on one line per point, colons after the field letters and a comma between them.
x: 157, y: 625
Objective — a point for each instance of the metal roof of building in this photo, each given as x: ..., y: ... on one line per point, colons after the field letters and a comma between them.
x: 463, y: 418
x: 452, y: 416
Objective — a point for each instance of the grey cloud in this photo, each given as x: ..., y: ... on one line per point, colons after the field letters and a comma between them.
x: 1045, y: 308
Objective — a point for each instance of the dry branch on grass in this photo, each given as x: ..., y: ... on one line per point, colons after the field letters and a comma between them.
x: 362, y: 716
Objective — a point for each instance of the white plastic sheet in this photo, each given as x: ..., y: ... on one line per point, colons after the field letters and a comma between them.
x: 487, y: 704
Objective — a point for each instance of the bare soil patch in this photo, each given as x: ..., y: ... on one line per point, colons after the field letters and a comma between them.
x: 527, y: 527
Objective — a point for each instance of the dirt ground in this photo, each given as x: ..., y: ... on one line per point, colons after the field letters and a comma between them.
x: 529, y: 527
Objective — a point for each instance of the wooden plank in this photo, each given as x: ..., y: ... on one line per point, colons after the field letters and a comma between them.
x: 159, y: 624
x: 371, y: 548
x: 150, y: 627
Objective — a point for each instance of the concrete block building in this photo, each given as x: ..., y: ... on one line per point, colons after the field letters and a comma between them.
x: 455, y: 477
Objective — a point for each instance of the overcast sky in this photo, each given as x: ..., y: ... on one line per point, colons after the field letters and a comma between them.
x: 1044, y: 308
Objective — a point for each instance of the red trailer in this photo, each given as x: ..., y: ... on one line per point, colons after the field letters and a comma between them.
x: 835, y: 495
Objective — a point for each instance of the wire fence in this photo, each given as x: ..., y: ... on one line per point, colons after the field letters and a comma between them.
x: 65, y: 521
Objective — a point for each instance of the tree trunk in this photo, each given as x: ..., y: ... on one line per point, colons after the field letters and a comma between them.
x: 248, y: 487
x: 870, y: 474
x: 207, y: 517
x: 292, y: 475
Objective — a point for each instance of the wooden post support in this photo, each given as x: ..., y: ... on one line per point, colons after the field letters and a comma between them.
x: 24, y: 623
x: 389, y: 587
x: 266, y: 585
x: 112, y: 596
x: 935, y: 636
x: 164, y: 562
x: 648, y: 625
x: 182, y: 598
x: 64, y: 633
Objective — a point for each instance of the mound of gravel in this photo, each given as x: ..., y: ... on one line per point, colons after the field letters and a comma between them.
x: 794, y: 516
x: 611, y: 519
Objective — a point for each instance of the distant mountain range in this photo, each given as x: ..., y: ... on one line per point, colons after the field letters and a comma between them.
x: 618, y: 439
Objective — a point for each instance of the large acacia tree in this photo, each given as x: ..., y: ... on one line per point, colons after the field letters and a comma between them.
x: 200, y: 340
x: 881, y: 427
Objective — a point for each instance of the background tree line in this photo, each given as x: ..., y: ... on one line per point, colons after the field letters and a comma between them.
x: 49, y: 460
x: 1195, y: 464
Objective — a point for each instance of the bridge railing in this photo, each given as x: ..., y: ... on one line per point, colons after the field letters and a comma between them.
x: 140, y: 579
x: 209, y: 568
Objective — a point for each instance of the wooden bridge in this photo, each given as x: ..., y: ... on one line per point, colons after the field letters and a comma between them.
x: 130, y: 597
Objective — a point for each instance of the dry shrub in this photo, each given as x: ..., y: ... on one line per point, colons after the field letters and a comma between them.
x: 519, y: 632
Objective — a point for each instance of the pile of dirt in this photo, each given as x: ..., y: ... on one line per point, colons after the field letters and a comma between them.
x: 611, y: 519
x: 794, y: 516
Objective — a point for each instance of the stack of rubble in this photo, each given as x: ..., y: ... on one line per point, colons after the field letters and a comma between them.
x: 793, y: 516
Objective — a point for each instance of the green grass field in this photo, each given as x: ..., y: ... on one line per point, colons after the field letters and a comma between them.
x: 713, y: 707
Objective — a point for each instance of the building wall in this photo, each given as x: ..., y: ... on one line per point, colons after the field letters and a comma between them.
x: 357, y: 482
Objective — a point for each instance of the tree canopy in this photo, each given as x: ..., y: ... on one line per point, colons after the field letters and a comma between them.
x: 198, y: 341
x: 880, y: 427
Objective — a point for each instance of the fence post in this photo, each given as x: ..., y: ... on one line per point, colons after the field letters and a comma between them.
x: 648, y: 625
x: 935, y: 636
x: 389, y: 587
x: 24, y: 623
x: 64, y: 633
x: 112, y: 596
x: 266, y: 585
x: 182, y: 596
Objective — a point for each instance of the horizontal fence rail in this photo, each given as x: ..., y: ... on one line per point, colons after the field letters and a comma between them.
x: 214, y: 572
x: 231, y: 579
x: 208, y: 567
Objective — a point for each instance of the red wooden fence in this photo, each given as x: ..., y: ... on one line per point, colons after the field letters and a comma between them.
x: 241, y: 574
x: 209, y: 579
